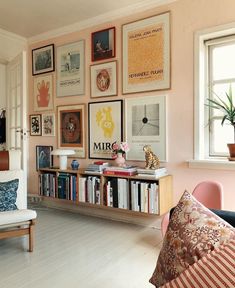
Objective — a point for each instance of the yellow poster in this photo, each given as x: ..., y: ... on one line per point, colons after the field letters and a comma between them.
x: 146, y: 54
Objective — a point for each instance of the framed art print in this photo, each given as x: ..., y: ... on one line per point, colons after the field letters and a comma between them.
x: 146, y: 125
x: 35, y: 125
x: 146, y: 54
x: 104, y: 79
x: 43, y: 59
x: 43, y: 93
x: 105, y: 127
x: 48, y: 124
x: 103, y: 44
x: 71, y: 128
x: 44, y: 159
x: 70, y: 69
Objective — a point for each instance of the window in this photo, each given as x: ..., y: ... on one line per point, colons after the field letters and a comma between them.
x: 214, y: 73
x: 221, y: 74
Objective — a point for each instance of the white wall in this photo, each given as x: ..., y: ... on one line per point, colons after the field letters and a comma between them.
x: 2, y: 86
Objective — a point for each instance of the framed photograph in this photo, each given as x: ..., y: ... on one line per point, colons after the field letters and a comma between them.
x: 146, y: 54
x: 70, y: 69
x: 43, y: 93
x: 43, y: 59
x: 103, y: 44
x: 44, y: 159
x: 71, y: 128
x: 146, y: 125
x: 35, y: 125
x: 48, y: 124
x: 104, y: 79
x: 105, y: 127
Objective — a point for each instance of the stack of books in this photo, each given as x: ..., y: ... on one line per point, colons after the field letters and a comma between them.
x: 97, y: 167
x: 121, y: 171
x: 155, y: 173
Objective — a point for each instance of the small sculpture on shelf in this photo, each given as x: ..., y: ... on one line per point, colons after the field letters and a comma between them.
x: 152, y: 161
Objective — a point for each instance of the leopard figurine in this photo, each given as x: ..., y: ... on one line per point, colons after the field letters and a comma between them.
x: 152, y: 161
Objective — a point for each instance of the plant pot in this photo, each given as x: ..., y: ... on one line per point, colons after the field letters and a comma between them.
x: 231, y: 148
x: 120, y: 160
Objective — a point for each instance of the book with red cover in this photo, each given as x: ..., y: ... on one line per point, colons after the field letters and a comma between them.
x: 120, y: 173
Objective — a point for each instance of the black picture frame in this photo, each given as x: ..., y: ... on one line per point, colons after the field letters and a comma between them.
x: 44, y: 159
x: 43, y: 60
x: 35, y: 125
x: 105, y: 127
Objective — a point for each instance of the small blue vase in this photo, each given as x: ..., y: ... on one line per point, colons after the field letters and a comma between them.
x: 74, y: 165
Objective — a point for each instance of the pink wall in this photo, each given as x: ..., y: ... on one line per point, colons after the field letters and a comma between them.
x: 187, y: 17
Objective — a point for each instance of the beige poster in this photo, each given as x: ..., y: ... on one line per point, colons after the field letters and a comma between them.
x: 145, y: 55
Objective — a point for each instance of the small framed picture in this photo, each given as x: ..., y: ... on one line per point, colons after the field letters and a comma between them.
x: 43, y: 59
x: 71, y: 128
x: 104, y: 79
x: 44, y: 159
x: 48, y: 124
x: 103, y: 44
x: 43, y: 93
x: 35, y: 125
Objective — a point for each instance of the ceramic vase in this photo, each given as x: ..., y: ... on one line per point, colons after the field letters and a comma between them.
x: 74, y: 165
x: 120, y: 160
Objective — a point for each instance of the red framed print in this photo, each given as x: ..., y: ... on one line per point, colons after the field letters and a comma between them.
x: 103, y: 44
x: 71, y: 132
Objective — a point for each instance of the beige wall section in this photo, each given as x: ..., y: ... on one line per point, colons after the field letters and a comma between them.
x: 2, y: 86
x: 187, y: 17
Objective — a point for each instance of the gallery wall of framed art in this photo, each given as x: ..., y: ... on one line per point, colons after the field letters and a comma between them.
x: 99, y: 91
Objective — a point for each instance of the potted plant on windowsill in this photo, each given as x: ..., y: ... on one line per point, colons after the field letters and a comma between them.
x: 228, y: 110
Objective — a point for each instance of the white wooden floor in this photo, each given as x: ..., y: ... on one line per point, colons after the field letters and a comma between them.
x: 72, y: 250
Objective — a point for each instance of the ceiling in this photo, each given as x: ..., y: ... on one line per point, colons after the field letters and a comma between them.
x: 29, y: 18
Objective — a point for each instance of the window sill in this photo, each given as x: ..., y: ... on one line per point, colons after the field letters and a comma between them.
x: 216, y: 164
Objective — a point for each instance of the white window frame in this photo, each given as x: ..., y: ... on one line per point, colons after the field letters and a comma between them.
x: 200, y: 90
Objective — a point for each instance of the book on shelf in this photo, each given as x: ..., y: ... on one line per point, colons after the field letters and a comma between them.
x: 93, y: 172
x: 155, y: 173
x: 119, y: 173
x: 97, y: 166
x: 123, y: 169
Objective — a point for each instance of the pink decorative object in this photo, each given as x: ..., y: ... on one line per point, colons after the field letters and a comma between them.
x: 120, y: 160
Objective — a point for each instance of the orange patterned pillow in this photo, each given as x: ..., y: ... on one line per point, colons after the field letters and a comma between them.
x: 193, y: 232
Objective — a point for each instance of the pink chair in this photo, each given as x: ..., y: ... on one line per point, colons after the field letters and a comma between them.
x: 209, y: 193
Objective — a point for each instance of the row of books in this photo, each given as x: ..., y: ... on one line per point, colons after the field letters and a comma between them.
x: 89, y: 189
x: 67, y: 185
x: 97, y: 167
x: 142, y: 197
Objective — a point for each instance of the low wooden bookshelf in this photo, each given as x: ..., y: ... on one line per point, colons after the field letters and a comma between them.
x: 128, y: 194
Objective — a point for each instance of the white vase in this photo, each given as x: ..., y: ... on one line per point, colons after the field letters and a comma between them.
x: 120, y: 160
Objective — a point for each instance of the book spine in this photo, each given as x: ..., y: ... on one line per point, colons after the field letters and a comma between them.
x: 119, y: 173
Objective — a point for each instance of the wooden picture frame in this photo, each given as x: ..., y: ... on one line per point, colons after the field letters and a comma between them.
x: 146, y: 54
x: 103, y: 44
x: 44, y: 159
x: 105, y: 127
x: 35, y: 125
x: 48, y: 124
x: 146, y: 125
x: 71, y: 128
x: 71, y: 69
x: 43, y: 93
x: 43, y: 60
x: 104, y: 79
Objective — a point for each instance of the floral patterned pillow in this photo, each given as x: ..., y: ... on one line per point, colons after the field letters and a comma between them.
x: 8, y: 194
x: 193, y: 231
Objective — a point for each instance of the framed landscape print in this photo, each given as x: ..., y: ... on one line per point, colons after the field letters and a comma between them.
x: 35, y: 125
x: 103, y: 44
x: 48, y: 124
x: 44, y: 159
x: 146, y: 125
x: 146, y: 54
x: 104, y: 79
x: 105, y: 127
x: 43, y: 93
x: 71, y: 128
x: 43, y: 59
x: 70, y: 69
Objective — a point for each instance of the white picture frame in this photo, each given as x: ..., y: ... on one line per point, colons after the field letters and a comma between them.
x: 145, y: 121
x: 146, y: 54
x: 48, y: 124
x: 71, y: 69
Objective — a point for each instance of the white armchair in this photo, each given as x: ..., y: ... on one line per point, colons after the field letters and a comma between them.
x: 21, y: 221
